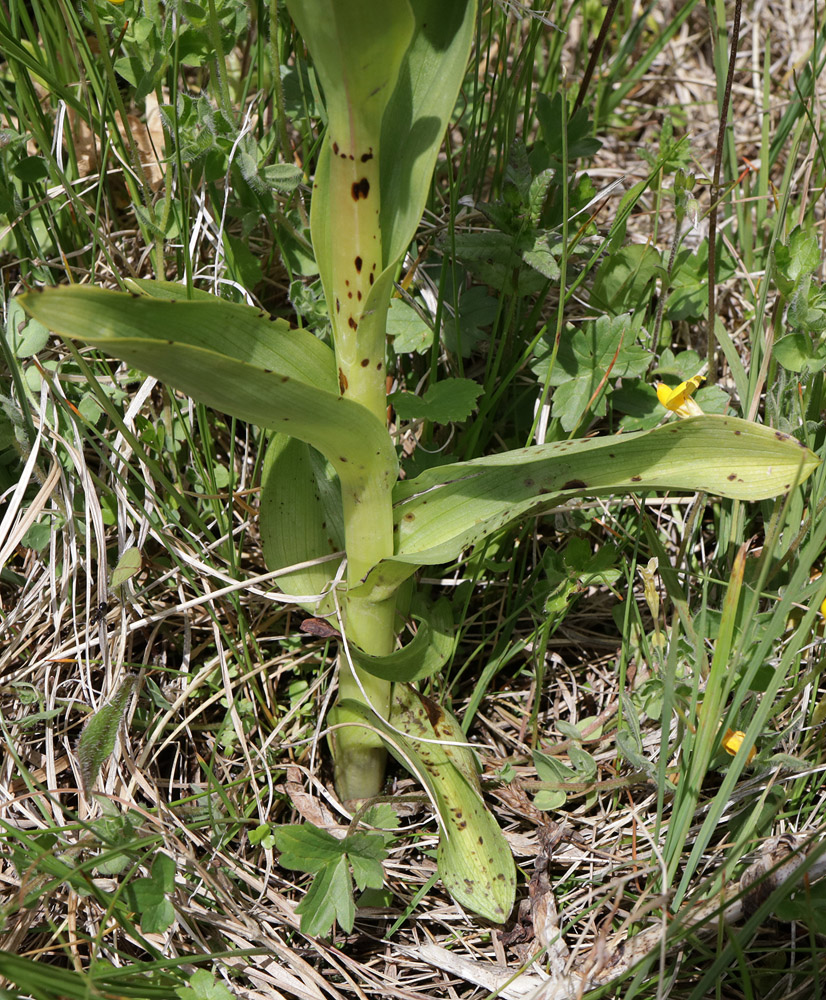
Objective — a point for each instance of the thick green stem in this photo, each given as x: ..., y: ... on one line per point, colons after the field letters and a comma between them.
x: 358, y: 47
x: 359, y: 336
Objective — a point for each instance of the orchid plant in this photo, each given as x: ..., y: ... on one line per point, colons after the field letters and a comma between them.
x: 390, y: 74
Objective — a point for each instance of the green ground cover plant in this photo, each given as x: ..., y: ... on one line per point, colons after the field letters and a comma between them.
x: 404, y: 397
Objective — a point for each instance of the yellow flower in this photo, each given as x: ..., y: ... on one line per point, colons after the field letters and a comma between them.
x: 732, y: 742
x: 823, y: 608
x: 679, y: 400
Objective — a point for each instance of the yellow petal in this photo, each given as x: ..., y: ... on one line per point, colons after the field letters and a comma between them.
x: 673, y: 399
x: 732, y: 742
x: 679, y: 400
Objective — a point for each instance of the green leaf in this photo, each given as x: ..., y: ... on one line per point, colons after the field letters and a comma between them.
x: 203, y: 986
x: 300, y: 519
x: 541, y: 258
x: 552, y: 770
x: 97, y: 741
x: 330, y: 898
x: 356, y: 55
x: 283, y: 177
x: 449, y: 508
x: 794, y: 352
x: 797, y: 259
x: 25, y: 336
x: 407, y: 330
x: 446, y: 401
x: 147, y: 896
x: 419, y: 111
x: 622, y: 281
x: 234, y: 359
x: 807, y: 904
x: 477, y: 311
x: 422, y: 657
x: 474, y: 859
x: 128, y: 565
x: 31, y: 169
x: 588, y: 362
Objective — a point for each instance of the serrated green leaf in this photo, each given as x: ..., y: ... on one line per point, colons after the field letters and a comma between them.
x: 621, y: 280
x: 329, y: 899
x: 446, y: 401
x: 306, y: 848
x: 407, y: 330
x: 147, y: 896
x: 541, y: 258
x: 582, y: 363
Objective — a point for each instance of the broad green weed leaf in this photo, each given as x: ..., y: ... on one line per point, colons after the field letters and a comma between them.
x: 794, y: 352
x: 128, y: 565
x: 448, y: 400
x: 606, y: 346
x: 582, y: 762
x: 551, y: 770
x: 306, y: 848
x: 633, y: 753
x: 477, y: 311
x: 796, y: 260
x: 407, y: 330
x: 97, y: 741
x: 203, y: 986
x: 541, y: 258
x: 330, y: 898
x: 147, y: 896
x: 25, y: 336
x: 493, y: 257
x: 622, y: 279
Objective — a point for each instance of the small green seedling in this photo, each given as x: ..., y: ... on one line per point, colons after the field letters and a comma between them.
x: 390, y: 75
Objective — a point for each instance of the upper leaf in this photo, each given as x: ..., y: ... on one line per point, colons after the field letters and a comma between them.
x: 231, y: 358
